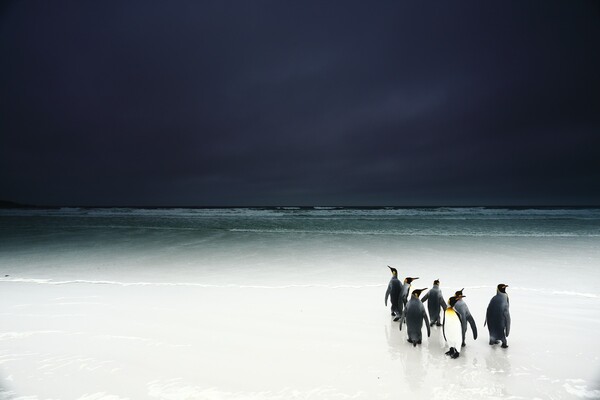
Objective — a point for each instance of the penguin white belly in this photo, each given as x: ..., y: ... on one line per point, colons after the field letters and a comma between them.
x: 452, y: 329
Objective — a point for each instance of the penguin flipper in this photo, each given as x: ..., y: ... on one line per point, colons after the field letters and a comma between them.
x: 424, y: 299
x: 463, y: 326
x: 507, y: 321
x: 443, y: 302
x: 473, y: 326
x: 387, y: 293
x: 402, y: 318
x: 427, y: 323
x: 444, y: 327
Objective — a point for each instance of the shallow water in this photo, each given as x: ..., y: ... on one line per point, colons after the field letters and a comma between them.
x: 288, y: 303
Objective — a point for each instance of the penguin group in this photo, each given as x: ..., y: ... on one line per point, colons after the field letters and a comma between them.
x: 407, y: 307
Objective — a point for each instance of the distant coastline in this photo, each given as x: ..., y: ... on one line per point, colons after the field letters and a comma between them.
x: 7, y: 204
x: 12, y: 204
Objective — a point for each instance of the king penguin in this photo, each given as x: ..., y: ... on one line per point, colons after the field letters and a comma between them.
x: 452, y: 328
x: 414, y: 315
x: 405, y: 293
x: 393, y: 293
x: 465, y: 316
x: 497, y: 316
x: 435, y: 300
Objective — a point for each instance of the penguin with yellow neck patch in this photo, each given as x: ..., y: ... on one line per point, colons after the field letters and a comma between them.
x: 393, y: 293
x: 452, y: 328
x: 406, y: 292
x: 497, y: 316
x: 414, y: 314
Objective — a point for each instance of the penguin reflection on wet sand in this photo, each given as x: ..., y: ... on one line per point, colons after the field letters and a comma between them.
x: 435, y: 301
x: 393, y: 293
x: 452, y: 328
x: 414, y: 314
x: 497, y: 317
x: 465, y: 316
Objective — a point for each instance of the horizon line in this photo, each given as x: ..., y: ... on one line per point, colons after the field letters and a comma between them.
x: 16, y: 205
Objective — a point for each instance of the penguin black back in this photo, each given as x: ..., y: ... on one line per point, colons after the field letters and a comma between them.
x: 435, y: 301
x: 497, y: 316
x: 415, y: 315
x: 393, y: 292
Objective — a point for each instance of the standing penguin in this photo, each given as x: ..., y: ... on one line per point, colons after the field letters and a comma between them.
x: 465, y: 316
x: 452, y: 328
x: 497, y: 317
x: 435, y: 300
x: 393, y: 293
x: 404, y: 294
x: 414, y: 315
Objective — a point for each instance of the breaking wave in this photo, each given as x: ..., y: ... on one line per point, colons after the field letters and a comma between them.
x: 321, y: 212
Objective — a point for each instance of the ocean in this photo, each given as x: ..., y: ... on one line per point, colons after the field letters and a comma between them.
x: 314, y: 245
x: 260, y: 266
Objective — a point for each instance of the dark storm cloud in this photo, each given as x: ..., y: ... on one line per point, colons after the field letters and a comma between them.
x: 197, y: 103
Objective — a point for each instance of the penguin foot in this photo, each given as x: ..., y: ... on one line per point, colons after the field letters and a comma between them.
x: 438, y: 324
x: 504, y: 345
x: 409, y: 340
x: 452, y: 352
x: 393, y: 313
x: 431, y: 324
x: 463, y: 344
x: 455, y: 355
x: 414, y: 344
x: 396, y: 318
x: 419, y: 342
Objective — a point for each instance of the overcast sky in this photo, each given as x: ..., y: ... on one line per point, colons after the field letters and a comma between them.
x: 300, y: 102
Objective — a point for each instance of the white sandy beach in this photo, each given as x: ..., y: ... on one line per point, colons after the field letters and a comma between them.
x: 295, y: 330
x: 108, y: 341
x: 72, y: 341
